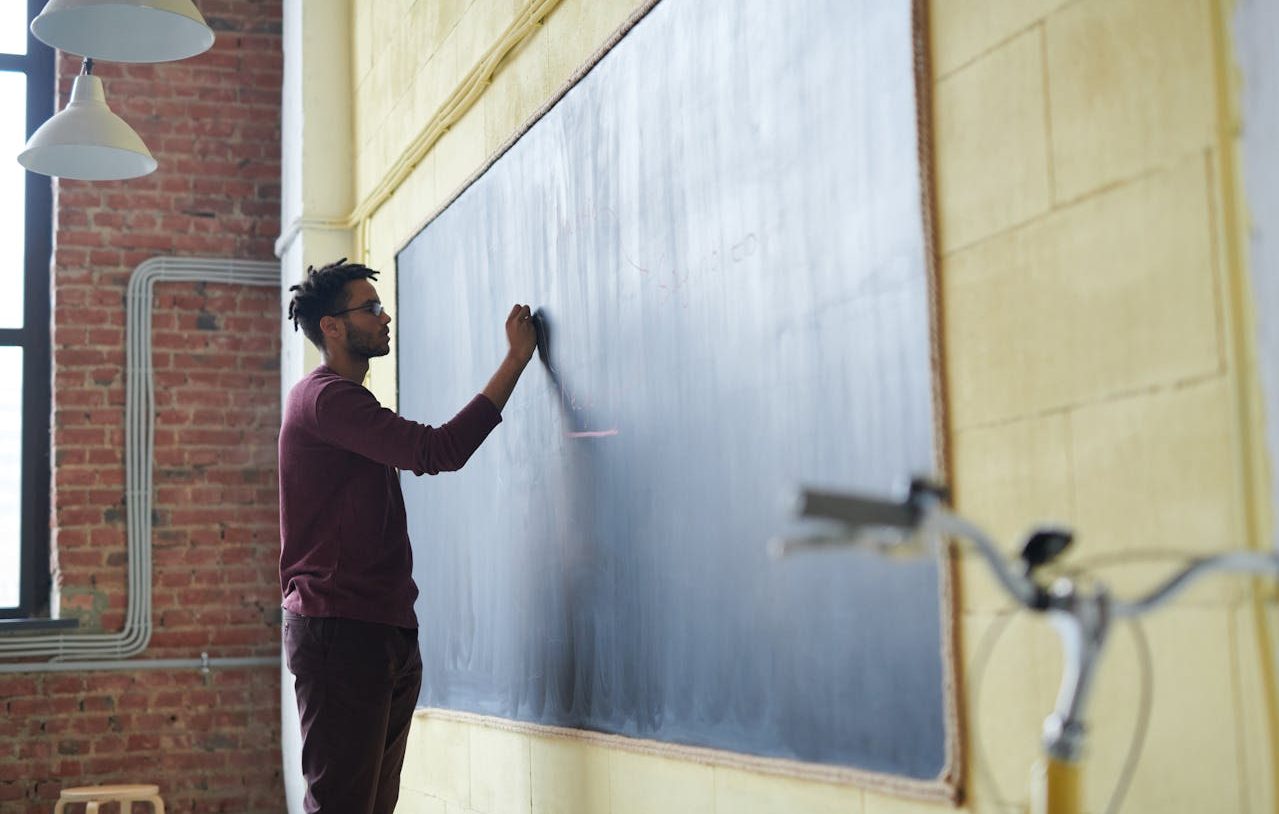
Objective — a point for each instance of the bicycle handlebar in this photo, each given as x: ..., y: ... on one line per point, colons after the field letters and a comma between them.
x: 1237, y: 561
x: 919, y: 522
x: 914, y: 524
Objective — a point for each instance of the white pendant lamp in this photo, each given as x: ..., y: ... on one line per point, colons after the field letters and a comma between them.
x: 86, y: 141
x: 124, y: 30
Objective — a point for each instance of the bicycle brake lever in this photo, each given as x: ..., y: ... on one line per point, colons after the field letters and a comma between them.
x: 1043, y: 546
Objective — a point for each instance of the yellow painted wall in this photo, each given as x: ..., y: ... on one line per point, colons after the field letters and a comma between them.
x: 1094, y: 305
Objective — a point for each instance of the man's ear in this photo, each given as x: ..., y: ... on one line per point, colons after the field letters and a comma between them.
x: 330, y: 326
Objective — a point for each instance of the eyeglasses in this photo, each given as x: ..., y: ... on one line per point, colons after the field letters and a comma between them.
x: 375, y: 308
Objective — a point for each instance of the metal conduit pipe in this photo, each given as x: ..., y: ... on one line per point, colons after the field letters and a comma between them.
x: 204, y: 665
x: 100, y: 651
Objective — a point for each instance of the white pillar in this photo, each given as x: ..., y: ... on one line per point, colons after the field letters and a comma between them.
x: 317, y: 192
x: 1256, y: 26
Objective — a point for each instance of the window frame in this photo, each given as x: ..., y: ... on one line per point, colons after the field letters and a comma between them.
x: 36, y: 579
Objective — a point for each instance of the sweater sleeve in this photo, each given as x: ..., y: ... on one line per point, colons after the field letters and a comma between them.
x: 348, y: 416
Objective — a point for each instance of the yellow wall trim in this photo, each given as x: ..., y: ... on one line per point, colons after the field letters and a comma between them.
x: 1240, y: 344
x: 643, y: 8
x: 464, y: 96
x: 927, y: 790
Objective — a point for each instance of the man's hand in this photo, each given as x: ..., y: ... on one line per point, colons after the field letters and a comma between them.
x: 522, y: 337
x: 520, y: 333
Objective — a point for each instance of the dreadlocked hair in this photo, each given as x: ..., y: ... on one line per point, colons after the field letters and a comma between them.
x: 322, y: 293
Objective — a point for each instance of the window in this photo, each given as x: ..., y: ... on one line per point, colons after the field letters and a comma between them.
x: 26, y: 98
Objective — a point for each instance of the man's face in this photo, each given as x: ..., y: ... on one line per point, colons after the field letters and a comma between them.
x: 367, y: 335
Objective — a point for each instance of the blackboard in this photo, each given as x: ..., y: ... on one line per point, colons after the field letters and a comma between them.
x: 721, y: 224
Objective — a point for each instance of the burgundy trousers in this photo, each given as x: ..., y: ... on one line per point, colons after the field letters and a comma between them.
x: 357, y: 685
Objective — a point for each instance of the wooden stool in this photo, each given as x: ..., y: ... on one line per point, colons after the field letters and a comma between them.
x: 92, y: 796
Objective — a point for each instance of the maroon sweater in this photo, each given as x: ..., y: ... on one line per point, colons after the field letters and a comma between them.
x: 344, y: 541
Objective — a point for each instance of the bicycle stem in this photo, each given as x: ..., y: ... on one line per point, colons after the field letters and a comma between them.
x: 1082, y: 623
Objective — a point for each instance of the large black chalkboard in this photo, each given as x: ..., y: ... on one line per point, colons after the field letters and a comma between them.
x: 721, y: 222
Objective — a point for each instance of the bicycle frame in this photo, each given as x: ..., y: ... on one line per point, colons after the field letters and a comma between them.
x: 917, y: 524
x: 1056, y: 787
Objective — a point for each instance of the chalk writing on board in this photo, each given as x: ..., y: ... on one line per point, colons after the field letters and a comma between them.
x: 591, y: 434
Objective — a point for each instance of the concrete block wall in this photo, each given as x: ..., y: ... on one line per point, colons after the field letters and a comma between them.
x: 1091, y: 299
x: 1092, y: 344
x: 210, y: 742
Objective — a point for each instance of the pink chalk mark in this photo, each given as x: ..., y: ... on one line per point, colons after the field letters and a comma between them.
x: 592, y: 434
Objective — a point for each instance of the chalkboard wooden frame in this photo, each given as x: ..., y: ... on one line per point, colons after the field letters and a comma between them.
x: 945, y: 785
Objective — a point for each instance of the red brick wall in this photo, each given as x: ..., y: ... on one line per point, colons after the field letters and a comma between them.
x: 210, y: 742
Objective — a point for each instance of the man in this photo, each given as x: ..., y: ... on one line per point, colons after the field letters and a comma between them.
x: 350, y: 632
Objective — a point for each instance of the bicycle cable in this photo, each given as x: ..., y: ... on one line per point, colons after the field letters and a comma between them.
x: 981, y: 661
x: 1145, y: 702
